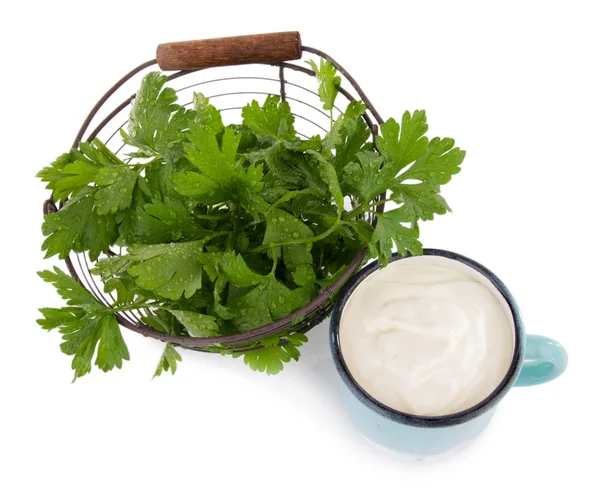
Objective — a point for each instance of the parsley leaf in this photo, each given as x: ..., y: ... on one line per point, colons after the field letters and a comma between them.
x: 79, y: 227
x: 73, y: 171
x: 269, y: 301
x: 161, y: 222
x: 111, y: 266
x: 70, y: 290
x: 116, y: 192
x: 400, y: 146
x: 88, y: 327
x: 273, y: 121
x: 329, y: 82
x: 157, y: 125
x: 124, y: 287
x: 218, y: 163
x: 389, y: 230
x: 197, y: 325
x: 422, y: 200
x: 363, y: 178
x: 164, y: 322
x: 348, y: 135
x: 206, y: 114
x: 282, y: 228
x: 438, y: 164
x: 304, y: 275
x: 168, y: 360
x: 274, y: 353
x: 170, y: 270
x: 68, y: 175
x: 328, y: 175
x: 202, y: 188
x: 234, y: 268
x: 222, y: 176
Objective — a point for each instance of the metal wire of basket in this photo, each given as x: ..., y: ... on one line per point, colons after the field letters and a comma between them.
x: 282, y: 78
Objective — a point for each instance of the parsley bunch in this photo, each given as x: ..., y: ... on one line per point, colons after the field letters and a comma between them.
x: 228, y: 228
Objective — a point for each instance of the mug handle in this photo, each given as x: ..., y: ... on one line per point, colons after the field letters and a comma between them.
x: 545, y: 360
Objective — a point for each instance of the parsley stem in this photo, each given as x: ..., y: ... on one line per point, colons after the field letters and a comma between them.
x: 291, y: 195
x: 234, y: 232
x: 361, y: 209
x: 319, y: 237
x: 215, y: 217
x: 272, y: 274
x: 134, y: 306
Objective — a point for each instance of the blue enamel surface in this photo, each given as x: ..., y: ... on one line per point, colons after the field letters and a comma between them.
x: 429, y: 435
x: 545, y: 359
x: 420, y: 442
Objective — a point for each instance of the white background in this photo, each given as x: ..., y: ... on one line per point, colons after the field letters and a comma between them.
x: 515, y: 83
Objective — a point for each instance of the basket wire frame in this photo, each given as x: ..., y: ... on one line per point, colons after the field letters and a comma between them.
x: 303, y: 319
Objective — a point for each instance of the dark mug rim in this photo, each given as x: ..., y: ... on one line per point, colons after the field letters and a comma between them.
x: 427, y: 421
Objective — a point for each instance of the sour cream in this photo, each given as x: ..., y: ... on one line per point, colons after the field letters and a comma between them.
x: 427, y: 335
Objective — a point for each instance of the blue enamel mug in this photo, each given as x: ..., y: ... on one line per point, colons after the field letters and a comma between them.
x: 535, y: 360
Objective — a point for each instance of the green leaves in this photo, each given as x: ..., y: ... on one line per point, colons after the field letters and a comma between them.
x: 73, y: 171
x: 328, y: 175
x: 223, y: 229
x: 216, y: 163
x: 78, y: 227
x: 273, y: 121
x: 207, y: 115
x: 390, y: 231
x: 438, y: 164
x: 348, y: 135
x: 203, y: 189
x: 197, y: 325
x: 275, y: 353
x: 87, y: 327
x: 426, y: 164
x: 363, y: 178
x: 421, y: 200
x: 70, y: 290
x: 269, y: 301
x: 68, y: 175
x: 234, y: 269
x: 222, y: 177
x: 116, y: 190
x: 283, y: 227
x: 160, y: 222
x: 401, y: 146
x: 329, y: 82
x: 83, y: 223
x: 168, y: 360
x: 169, y: 270
x: 157, y: 125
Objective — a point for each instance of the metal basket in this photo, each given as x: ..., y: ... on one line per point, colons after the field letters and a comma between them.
x: 227, y: 60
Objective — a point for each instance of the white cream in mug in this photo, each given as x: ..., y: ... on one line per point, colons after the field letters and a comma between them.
x: 427, y: 335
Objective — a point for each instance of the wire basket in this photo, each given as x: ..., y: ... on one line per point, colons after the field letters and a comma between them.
x: 230, y: 72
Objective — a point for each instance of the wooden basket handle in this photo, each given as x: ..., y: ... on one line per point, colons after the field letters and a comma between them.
x: 226, y: 51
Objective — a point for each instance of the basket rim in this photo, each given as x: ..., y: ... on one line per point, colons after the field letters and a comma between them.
x: 287, y: 323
